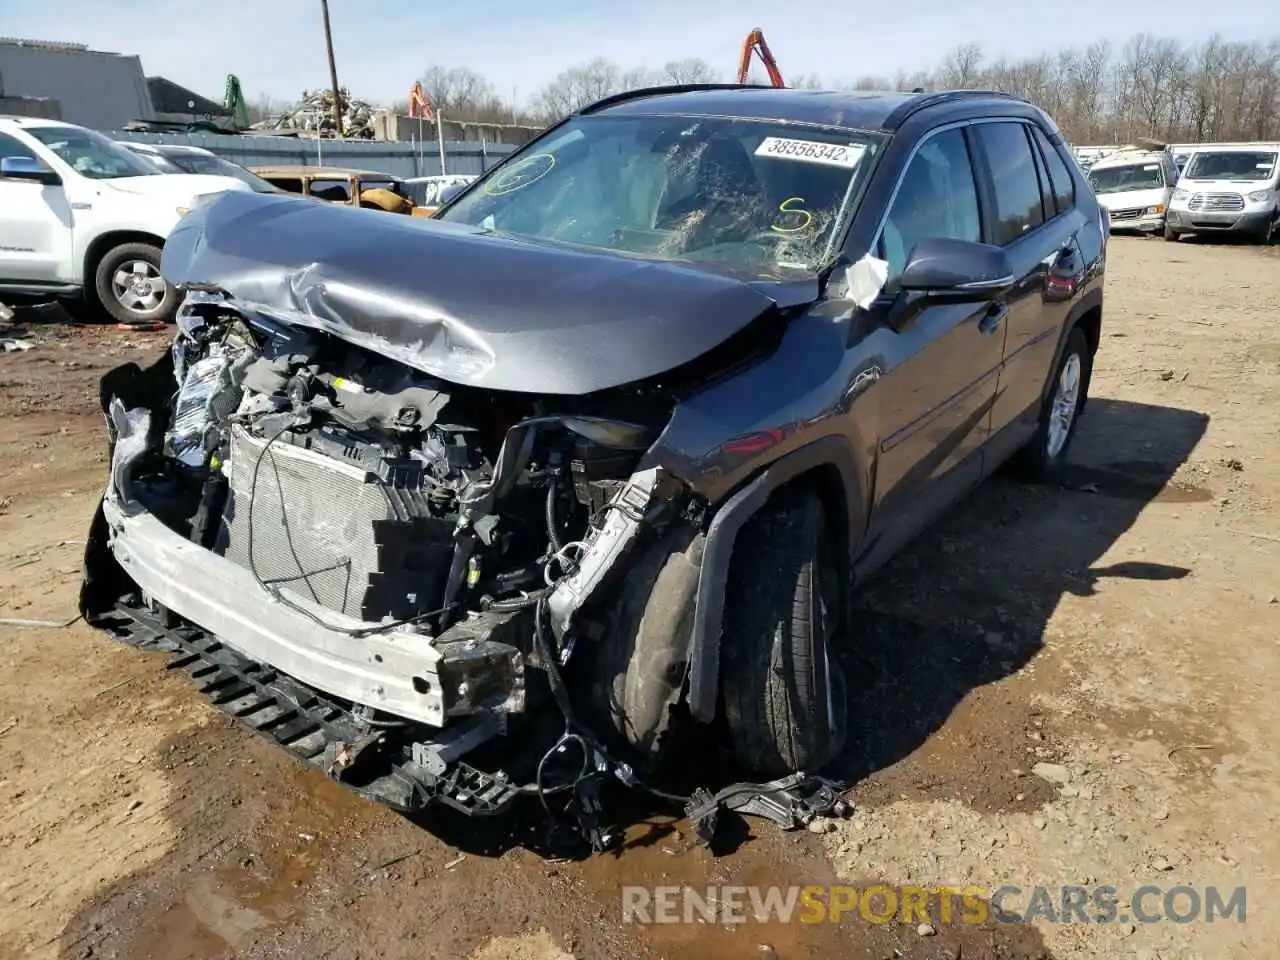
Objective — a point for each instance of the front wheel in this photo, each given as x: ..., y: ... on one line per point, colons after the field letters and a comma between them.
x: 1171, y: 234
x: 1267, y: 233
x: 784, y: 694
x: 1042, y: 458
x: 129, y: 286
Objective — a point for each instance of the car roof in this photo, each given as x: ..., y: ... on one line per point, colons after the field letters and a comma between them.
x: 1237, y: 148
x: 880, y: 110
x: 23, y: 121
x: 178, y: 149
x: 299, y: 170
x: 1127, y: 158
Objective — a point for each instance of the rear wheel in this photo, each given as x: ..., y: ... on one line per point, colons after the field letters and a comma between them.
x: 1042, y: 458
x: 784, y: 695
x: 128, y: 284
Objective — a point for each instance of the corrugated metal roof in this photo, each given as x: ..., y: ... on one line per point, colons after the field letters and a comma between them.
x: 45, y: 44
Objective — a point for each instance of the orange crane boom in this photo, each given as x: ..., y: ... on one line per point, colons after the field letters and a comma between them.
x: 755, y: 43
x: 419, y: 105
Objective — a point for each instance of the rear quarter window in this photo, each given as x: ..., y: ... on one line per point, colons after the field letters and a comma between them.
x: 1062, y: 184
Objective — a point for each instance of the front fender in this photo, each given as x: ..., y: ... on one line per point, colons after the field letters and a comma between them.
x: 827, y: 453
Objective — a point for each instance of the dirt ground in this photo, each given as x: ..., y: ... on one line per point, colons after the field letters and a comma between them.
x: 1056, y: 686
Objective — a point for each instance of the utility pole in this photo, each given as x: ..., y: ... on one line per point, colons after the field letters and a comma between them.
x: 333, y: 70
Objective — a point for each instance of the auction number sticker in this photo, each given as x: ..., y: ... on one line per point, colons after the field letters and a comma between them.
x: 812, y: 151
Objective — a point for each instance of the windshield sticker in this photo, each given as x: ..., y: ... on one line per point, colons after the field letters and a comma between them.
x: 1152, y: 166
x: 1265, y: 166
x: 812, y: 151
x: 520, y: 174
x: 793, y: 208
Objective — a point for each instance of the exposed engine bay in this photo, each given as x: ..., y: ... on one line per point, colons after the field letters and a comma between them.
x: 344, y: 477
x: 418, y: 559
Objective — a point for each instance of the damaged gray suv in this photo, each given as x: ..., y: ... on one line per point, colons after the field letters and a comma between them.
x: 484, y: 506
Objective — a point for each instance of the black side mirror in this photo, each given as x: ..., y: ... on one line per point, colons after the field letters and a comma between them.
x: 25, y: 168
x: 941, y: 270
x: 961, y: 267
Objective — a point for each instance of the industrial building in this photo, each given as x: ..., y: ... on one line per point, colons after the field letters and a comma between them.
x: 90, y: 87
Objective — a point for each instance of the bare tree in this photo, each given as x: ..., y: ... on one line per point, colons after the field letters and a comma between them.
x: 689, y: 70
x: 960, y: 68
x: 578, y: 86
x: 452, y: 90
x: 1155, y: 87
x: 805, y: 81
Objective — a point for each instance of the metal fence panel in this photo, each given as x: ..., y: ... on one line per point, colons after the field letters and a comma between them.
x: 400, y: 159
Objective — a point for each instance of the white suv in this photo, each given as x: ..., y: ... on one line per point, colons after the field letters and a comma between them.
x: 82, y: 216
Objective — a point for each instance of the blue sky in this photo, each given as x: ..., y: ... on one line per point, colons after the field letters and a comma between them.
x: 277, y: 46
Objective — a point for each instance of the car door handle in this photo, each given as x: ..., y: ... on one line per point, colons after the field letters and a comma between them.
x: 994, y: 316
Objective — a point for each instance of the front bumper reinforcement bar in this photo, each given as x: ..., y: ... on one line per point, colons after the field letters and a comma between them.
x: 319, y: 731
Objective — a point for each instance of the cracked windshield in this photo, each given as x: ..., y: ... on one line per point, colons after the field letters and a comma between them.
x: 750, y: 195
x: 566, y: 481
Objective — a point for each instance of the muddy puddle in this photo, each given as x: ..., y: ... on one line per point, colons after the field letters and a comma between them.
x: 274, y: 860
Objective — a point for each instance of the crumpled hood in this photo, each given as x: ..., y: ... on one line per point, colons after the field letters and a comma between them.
x: 460, y: 304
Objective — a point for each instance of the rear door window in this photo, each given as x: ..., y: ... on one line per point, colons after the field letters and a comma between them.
x: 1016, y: 184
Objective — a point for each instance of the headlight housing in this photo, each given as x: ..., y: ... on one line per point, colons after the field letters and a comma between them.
x: 1180, y: 194
x: 1259, y: 195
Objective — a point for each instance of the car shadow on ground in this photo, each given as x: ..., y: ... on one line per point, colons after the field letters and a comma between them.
x: 968, y: 604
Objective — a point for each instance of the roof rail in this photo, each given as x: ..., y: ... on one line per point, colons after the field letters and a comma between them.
x: 643, y: 92
x: 923, y: 101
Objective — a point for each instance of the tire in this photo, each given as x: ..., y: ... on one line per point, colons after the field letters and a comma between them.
x: 783, y: 694
x: 1042, y: 459
x: 1171, y: 234
x: 1267, y: 234
x: 640, y: 670
x: 148, y: 299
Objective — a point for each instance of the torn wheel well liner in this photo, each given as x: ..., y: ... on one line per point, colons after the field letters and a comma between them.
x: 828, y: 463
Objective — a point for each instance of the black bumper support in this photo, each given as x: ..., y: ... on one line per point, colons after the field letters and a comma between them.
x: 316, y: 730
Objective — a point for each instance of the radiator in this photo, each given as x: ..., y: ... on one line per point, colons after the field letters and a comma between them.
x: 333, y: 532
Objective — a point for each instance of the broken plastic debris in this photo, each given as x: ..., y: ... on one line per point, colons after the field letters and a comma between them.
x: 12, y: 344
x: 865, y: 279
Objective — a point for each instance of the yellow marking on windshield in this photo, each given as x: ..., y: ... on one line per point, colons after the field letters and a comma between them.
x: 516, y: 178
x: 788, y: 206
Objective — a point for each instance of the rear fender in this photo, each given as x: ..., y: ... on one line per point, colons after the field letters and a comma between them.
x: 1090, y: 300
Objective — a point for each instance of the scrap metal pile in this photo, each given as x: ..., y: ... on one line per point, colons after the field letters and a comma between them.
x: 314, y: 113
